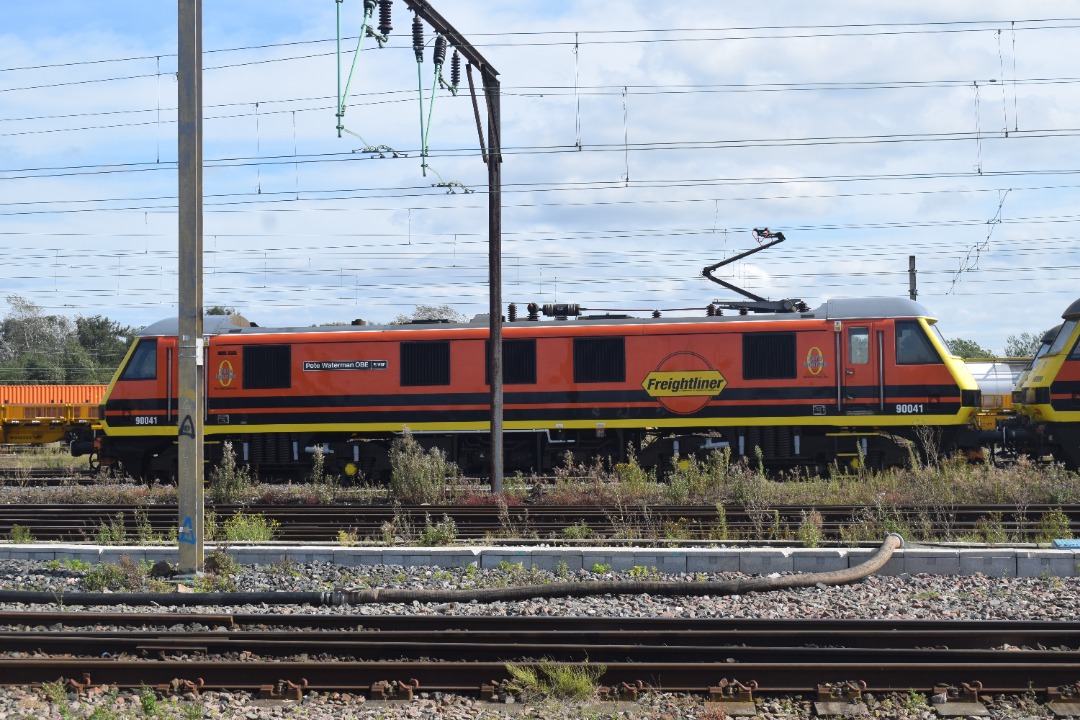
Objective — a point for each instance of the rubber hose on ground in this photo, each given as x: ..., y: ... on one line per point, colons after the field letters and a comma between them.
x: 525, y: 592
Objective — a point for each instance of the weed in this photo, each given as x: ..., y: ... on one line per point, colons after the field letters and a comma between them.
x: 56, y: 693
x: 679, y: 529
x: 600, y: 568
x: 1053, y: 525
x: 417, y: 476
x: 324, y: 486
x: 640, y: 572
x: 914, y: 701
x: 143, y: 531
x: 250, y: 528
x: 229, y: 481
x: 811, y: 529
x: 443, y: 532
x: 20, y: 535
x: 578, y: 531
x: 563, y: 570
x: 105, y: 577
x: 148, y: 701
x: 399, y: 529
x: 112, y: 532
x: 720, y: 528
x: 192, y: 711
x: 72, y: 564
x: 555, y: 680
x: 348, y: 538
x: 991, y: 529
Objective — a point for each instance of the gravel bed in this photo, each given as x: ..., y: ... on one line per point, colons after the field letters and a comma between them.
x: 887, y: 597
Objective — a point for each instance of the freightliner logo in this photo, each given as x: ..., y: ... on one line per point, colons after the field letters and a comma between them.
x: 684, y: 383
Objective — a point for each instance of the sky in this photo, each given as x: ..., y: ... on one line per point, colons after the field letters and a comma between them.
x: 642, y: 142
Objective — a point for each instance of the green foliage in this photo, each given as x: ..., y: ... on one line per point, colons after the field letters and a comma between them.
x: 1053, y: 525
x: 1024, y: 345
x: 105, y: 577
x: 228, y: 481
x: 250, y: 528
x: 600, y: 568
x: 578, y: 531
x: 640, y: 572
x: 56, y: 693
x: 419, y: 477
x: 73, y: 564
x: 555, y: 680
x: 50, y: 349
x: 443, y: 532
x: 811, y: 529
x: 991, y: 529
x: 968, y: 348
x: 112, y: 532
x: 20, y: 535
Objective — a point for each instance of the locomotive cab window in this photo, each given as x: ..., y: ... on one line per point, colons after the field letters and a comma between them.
x: 426, y: 362
x: 769, y: 356
x: 143, y: 362
x: 858, y: 345
x: 267, y: 367
x: 599, y: 360
x: 1075, y: 354
x: 519, y: 362
x: 913, y: 347
x: 1063, y: 336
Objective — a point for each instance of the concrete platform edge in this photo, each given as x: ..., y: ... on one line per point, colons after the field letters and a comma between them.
x: 911, y: 560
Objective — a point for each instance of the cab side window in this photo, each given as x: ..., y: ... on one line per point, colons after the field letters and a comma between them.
x: 143, y: 362
x: 912, y: 345
x: 858, y: 345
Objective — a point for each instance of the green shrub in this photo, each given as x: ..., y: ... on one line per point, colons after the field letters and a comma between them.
x: 1053, y: 525
x: 113, y: 532
x: 228, y: 481
x: 555, y: 680
x: 443, y: 532
x: 20, y: 535
x: 417, y: 476
x: 578, y: 531
x: 250, y: 528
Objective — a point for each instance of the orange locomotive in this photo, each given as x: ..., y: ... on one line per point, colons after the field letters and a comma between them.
x: 852, y: 381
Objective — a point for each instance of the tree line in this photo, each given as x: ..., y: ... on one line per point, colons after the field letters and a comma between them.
x: 41, y: 349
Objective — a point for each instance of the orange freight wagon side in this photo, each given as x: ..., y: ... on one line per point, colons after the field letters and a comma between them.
x: 38, y: 414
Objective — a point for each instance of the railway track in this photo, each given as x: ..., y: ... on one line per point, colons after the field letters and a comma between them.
x: 396, y: 656
x: 674, y: 523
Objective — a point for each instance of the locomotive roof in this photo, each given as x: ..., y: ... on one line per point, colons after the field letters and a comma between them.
x: 836, y: 309
x: 1073, y: 311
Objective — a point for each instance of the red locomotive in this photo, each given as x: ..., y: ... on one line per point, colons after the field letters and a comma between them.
x: 852, y: 381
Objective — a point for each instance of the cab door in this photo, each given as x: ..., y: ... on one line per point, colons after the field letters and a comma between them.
x: 861, y: 381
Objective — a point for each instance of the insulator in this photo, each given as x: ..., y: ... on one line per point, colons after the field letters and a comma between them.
x: 534, y: 311
x: 744, y: 311
x: 455, y: 69
x: 562, y: 309
x: 369, y: 8
x: 418, y: 38
x: 384, y: 17
x: 439, y: 56
x: 710, y: 311
x: 512, y: 312
x: 656, y: 313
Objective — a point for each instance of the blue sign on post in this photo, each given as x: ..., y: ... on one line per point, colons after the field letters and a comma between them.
x: 187, y: 532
